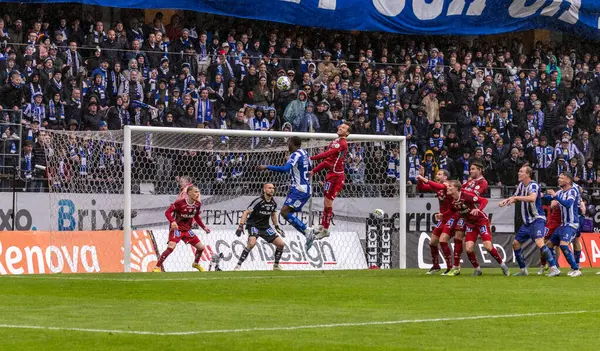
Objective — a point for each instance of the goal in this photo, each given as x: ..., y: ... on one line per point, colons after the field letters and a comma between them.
x: 129, y: 178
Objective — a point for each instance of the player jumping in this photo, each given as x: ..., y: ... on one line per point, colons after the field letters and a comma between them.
x: 256, y: 219
x: 568, y: 201
x: 298, y: 165
x: 471, y: 206
x: 478, y: 185
x: 534, y: 220
x: 181, y: 214
x: 443, y: 229
x: 335, y: 158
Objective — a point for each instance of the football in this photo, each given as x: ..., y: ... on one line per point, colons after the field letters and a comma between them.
x: 379, y: 213
x: 284, y: 83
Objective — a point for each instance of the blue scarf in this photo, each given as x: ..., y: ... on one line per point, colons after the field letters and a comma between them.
x: 203, y: 52
x: 124, y: 116
x: 413, y: 167
x: 97, y: 37
x: 393, y: 170
x: 137, y: 118
x: 164, y: 46
x: 157, y: 97
x: 392, y: 117
x: 28, y: 166
x: 52, y: 111
x: 465, y: 174
x: 436, y: 142
x: 443, y: 163
x: 73, y: 62
x: 408, y: 130
x: 380, y: 126
x: 204, y: 111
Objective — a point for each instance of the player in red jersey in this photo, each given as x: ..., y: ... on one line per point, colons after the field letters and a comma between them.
x: 182, y: 214
x: 335, y: 158
x: 552, y: 222
x: 470, y: 205
x: 478, y: 185
x: 442, y: 231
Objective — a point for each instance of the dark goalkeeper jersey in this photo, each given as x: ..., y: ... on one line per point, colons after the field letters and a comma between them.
x: 261, y: 213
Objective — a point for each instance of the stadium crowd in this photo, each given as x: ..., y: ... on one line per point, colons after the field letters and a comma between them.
x: 455, y: 100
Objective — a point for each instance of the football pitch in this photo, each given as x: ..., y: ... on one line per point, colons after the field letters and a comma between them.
x: 308, y: 310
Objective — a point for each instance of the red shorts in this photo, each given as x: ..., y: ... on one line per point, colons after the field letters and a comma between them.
x: 549, y: 231
x: 475, y: 230
x: 187, y: 236
x: 455, y: 224
x: 444, y: 226
x: 334, y: 183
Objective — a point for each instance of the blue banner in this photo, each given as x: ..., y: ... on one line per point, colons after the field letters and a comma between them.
x: 466, y: 17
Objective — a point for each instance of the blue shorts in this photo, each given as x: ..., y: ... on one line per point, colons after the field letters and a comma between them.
x: 534, y: 230
x: 563, y: 233
x: 296, y: 200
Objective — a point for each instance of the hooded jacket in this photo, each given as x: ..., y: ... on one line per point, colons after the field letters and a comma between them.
x: 295, y: 108
x: 430, y: 167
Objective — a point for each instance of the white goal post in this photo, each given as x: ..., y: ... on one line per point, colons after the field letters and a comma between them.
x: 129, y: 137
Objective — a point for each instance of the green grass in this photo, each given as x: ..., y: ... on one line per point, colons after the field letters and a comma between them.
x: 238, y: 300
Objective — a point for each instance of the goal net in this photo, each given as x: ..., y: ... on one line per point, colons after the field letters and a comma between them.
x: 126, y: 179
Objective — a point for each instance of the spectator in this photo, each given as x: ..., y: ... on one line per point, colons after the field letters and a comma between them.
x: 296, y: 107
x: 429, y: 165
x: 509, y: 168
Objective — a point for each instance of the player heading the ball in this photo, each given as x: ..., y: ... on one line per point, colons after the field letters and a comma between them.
x: 181, y: 215
x: 256, y: 219
x: 298, y: 165
x: 335, y: 160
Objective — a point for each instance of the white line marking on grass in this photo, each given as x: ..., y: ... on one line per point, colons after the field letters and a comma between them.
x: 158, y: 279
x: 298, y: 327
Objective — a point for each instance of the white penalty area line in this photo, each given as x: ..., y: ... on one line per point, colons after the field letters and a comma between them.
x: 299, y: 327
x: 158, y: 279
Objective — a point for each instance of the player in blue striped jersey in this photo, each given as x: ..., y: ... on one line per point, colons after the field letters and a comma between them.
x: 534, y: 219
x: 568, y: 198
x: 582, y: 206
x: 298, y: 165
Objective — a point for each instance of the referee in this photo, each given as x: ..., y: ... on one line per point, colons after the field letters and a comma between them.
x: 257, y: 224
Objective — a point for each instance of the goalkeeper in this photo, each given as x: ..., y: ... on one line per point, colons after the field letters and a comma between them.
x: 256, y: 219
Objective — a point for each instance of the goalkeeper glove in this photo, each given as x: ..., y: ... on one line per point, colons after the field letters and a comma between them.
x: 239, y: 230
x: 280, y: 231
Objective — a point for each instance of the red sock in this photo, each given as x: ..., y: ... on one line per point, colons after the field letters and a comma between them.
x: 435, y: 256
x: 197, y: 256
x: 458, y: 249
x: 473, y: 259
x: 542, y: 260
x: 447, y: 253
x: 164, y: 256
x: 495, y: 255
x: 327, y: 216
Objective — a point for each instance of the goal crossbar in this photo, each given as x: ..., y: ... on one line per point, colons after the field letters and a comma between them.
x: 127, y: 160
